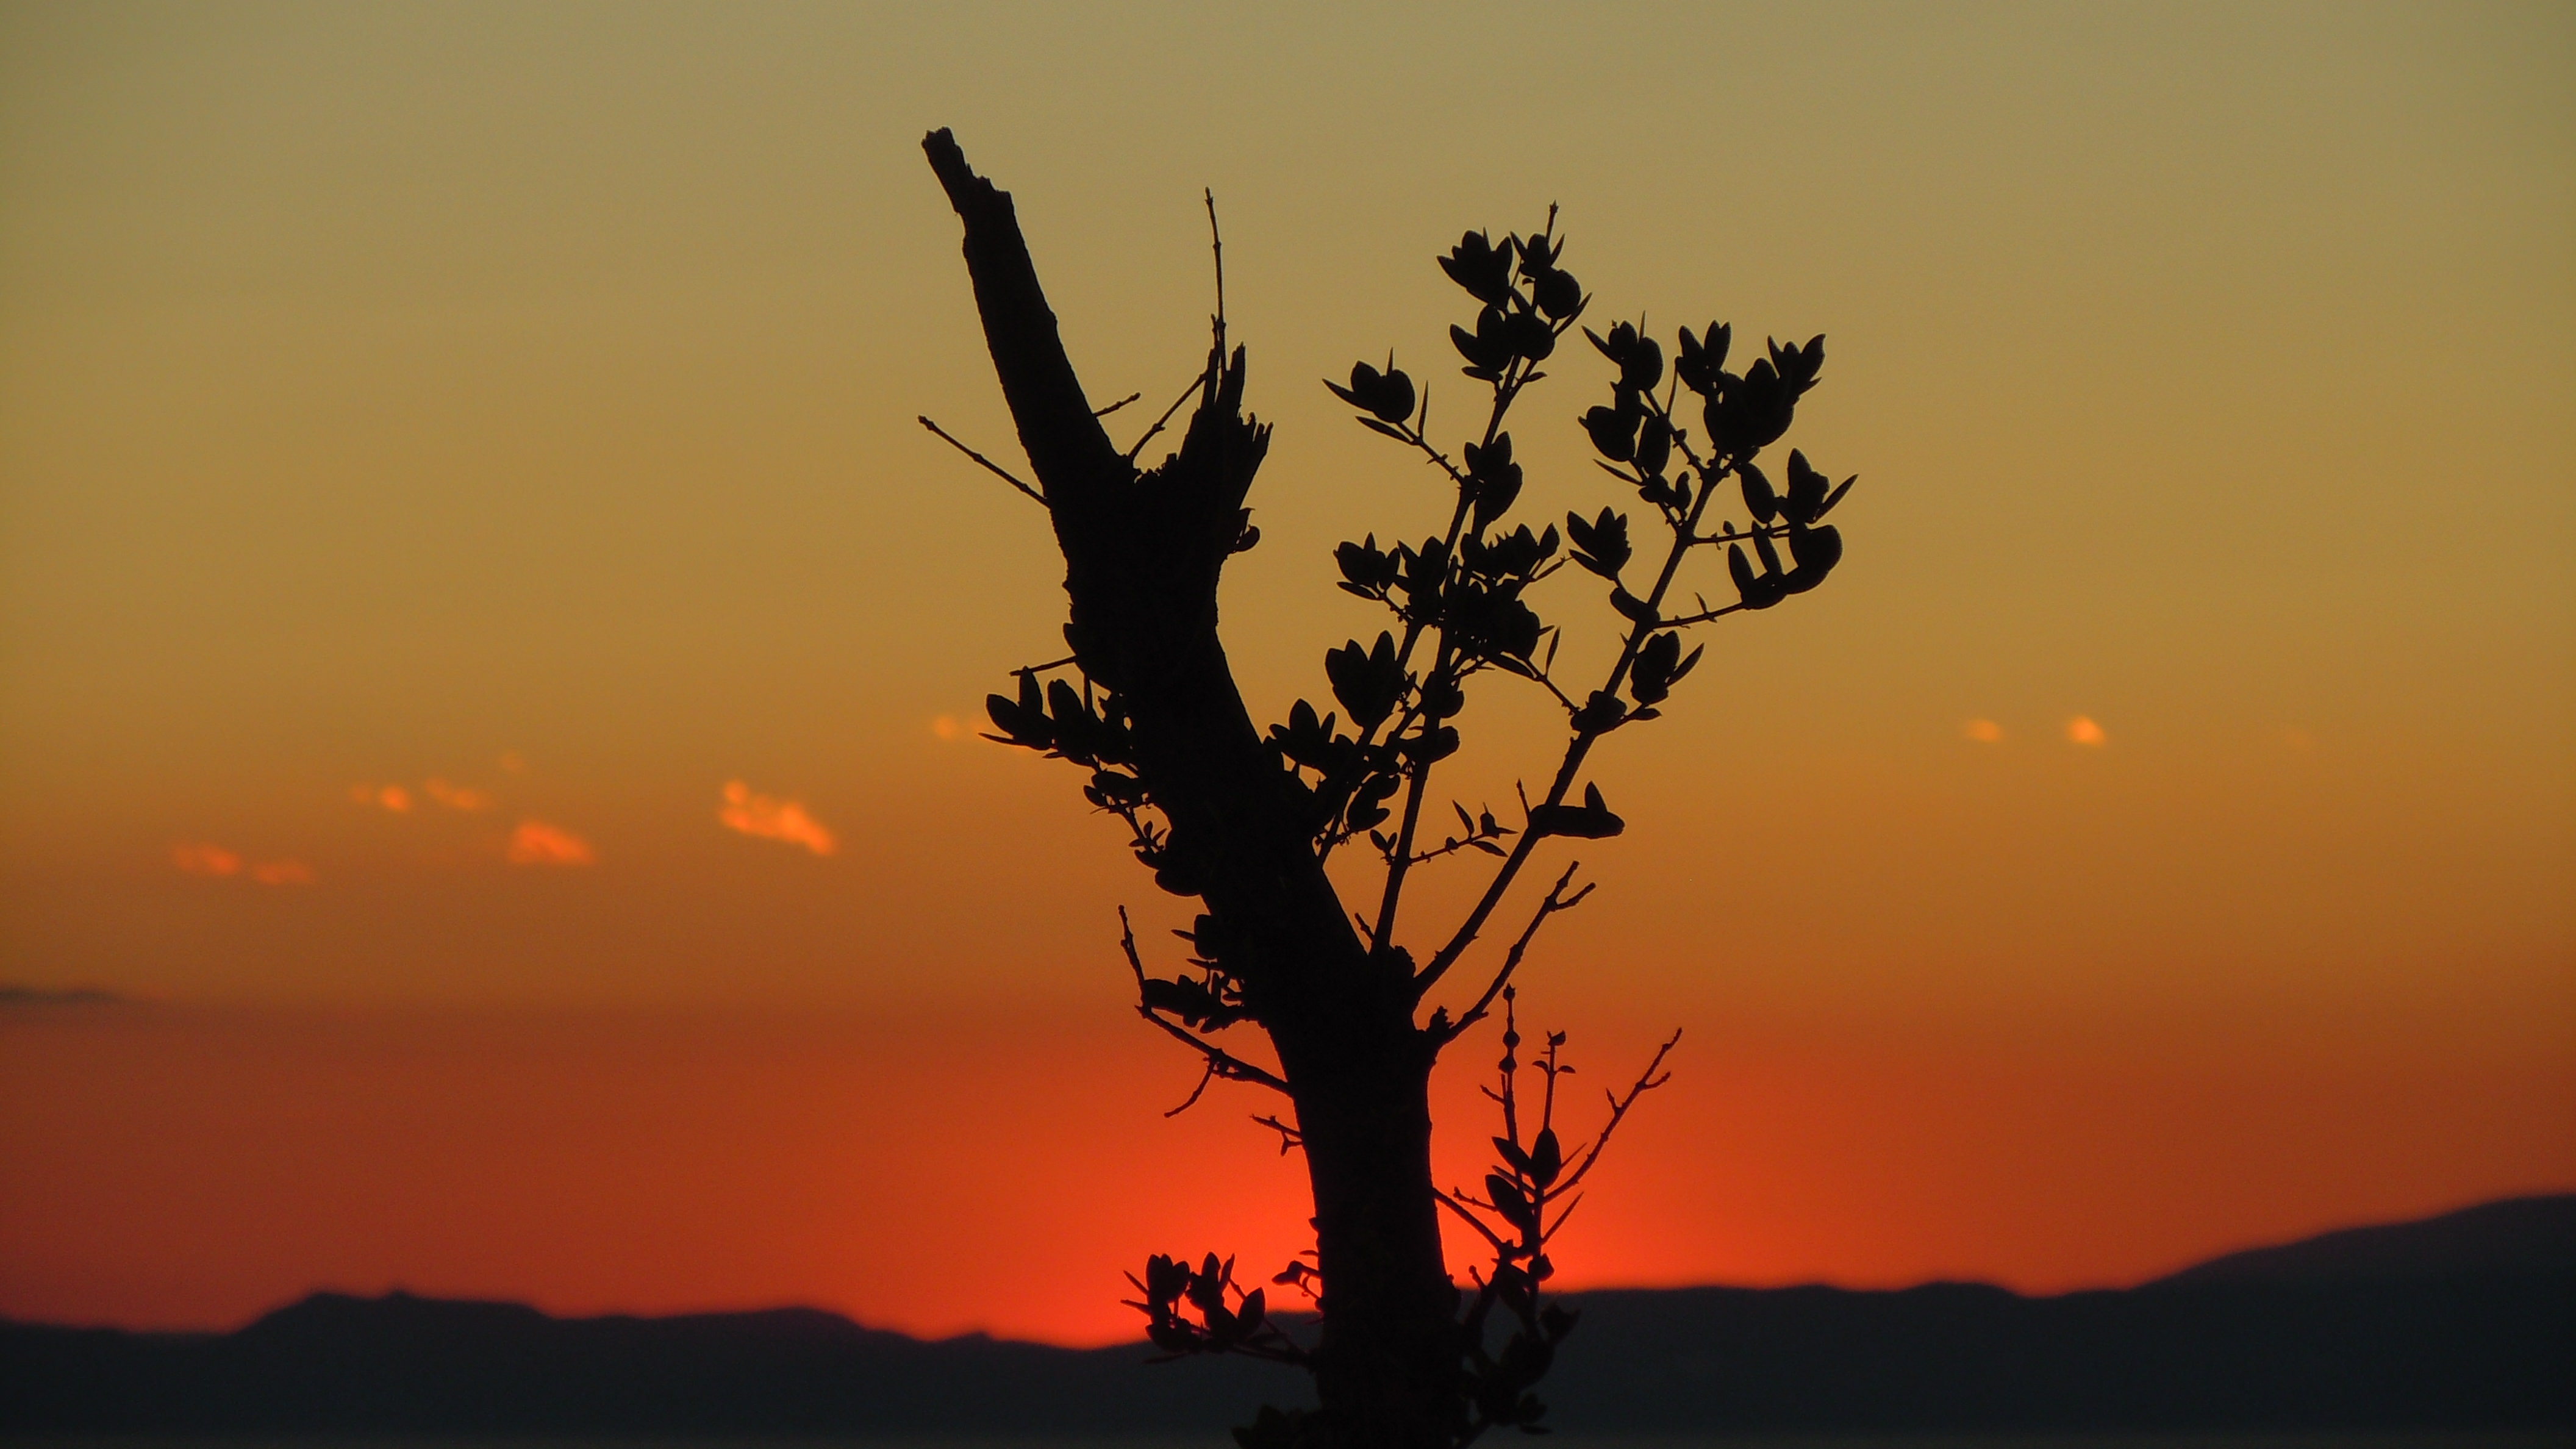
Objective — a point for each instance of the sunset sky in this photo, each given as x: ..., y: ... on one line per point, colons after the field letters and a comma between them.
x: 491, y: 670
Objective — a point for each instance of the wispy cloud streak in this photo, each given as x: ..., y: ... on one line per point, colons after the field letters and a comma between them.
x: 456, y: 797
x: 773, y: 819
x: 200, y: 858
x: 537, y: 843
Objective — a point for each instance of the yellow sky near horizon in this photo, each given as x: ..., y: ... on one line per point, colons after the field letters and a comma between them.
x: 392, y: 390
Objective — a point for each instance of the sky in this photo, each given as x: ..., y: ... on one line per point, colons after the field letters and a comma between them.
x: 491, y: 669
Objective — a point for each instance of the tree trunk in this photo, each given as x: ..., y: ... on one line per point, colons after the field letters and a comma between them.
x: 1143, y: 551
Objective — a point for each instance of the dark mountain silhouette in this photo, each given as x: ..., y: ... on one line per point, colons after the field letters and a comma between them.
x: 2515, y: 1235
x: 2466, y: 1320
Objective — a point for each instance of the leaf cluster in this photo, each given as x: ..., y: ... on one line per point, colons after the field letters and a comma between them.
x: 1193, y: 1310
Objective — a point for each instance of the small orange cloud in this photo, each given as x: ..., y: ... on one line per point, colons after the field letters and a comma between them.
x: 456, y: 797
x: 1985, y: 731
x: 537, y: 843
x: 282, y: 873
x: 949, y: 727
x: 513, y: 762
x: 2297, y: 739
x: 2083, y: 731
x: 391, y: 797
x: 203, y: 859
x: 772, y: 819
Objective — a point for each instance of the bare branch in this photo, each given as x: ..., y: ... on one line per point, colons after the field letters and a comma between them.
x: 1197, y: 384
x: 1453, y: 1205
x: 1554, y: 1228
x: 1646, y: 1081
x: 1288, y: 1136
x: 1113, y: 407
x: 1195, y: 1092
x: 1400, y: 863
x: 1556, y: 901
x: 996, y: 469
x: 1216, y: 250
x: 1686, y: 620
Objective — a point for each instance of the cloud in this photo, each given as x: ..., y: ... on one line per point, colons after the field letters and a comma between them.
x: 1985, y: 731
x: 203, y: 859
x: 200, y: 858
x: 392, y: 797
x: 949, y: 727
x: 2083, y: 731
x: 456, y: 797
x: 537, y: 843
x: 11, y: 995
x: 771, y: 819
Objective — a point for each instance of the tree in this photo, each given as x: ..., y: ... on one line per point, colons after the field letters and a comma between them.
x: 1245, y: 821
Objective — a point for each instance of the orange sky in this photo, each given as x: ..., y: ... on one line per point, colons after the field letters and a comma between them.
x: 489, y: 666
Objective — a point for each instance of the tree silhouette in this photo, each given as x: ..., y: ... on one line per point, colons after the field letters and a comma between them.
x: 1245, y: 821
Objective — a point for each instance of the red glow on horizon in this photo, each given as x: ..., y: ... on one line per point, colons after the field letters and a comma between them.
x: 190, y: 1167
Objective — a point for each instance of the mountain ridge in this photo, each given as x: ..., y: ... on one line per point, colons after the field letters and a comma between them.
x: 2465, y: 1319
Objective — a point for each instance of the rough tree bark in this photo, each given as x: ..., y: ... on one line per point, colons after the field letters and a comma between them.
x: 1143, y: 550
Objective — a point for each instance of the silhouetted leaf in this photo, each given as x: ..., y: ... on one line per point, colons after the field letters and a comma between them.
x: 1600, y: 545
x: 1545, y: 1158
x: 1816, y: 550
x: 1481, y: 267
x: 1759, y: 500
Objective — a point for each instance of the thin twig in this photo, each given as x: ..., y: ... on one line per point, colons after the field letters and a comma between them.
x: 1113, y: 407
x: 1196, y: 384
x: 1195, y: 1092
x: 1216, y: 249
x: 1686, y: 620
x: 1220, y: 1061
x: 1646, y: 1081
x: 1453, y: 1205
x: 1559, y: 1225
x: 1288, y: 1136
x: 996, y: 469
x: 1556, y: 901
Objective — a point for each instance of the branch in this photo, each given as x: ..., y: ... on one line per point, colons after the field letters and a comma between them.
x: 1556, y: 901
x: 1195, y: 1092
x: 1646, y: 1081
x: 1453, y: 1205
x: 1581, y: 744
x: 1288, y: 1136
x: 1221, y: 1062
x: 1197, y: 384
x: 1686, y: 620
x: 996, y: 469
x: 1216, y: 251
x: 1064, y: 441
x: 1400, y: 864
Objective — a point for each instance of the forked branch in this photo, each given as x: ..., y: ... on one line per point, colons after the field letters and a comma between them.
x: 1557, y: 900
